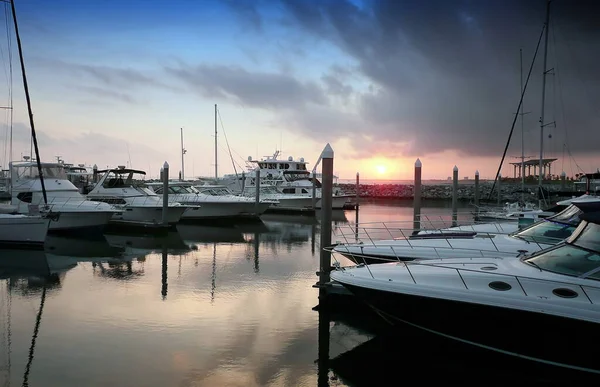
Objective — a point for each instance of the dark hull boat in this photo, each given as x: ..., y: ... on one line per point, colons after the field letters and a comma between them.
x: 543, y: 308
x: 548, y: 339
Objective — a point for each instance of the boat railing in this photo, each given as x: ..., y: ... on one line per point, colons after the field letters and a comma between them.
x: 461, y: 270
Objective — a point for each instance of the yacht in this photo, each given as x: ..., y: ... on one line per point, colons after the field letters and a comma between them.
x: 290, y: 177
x: 216, y: 202
x: 450, y: 243
x: 125, y: 189
x: 24, y: 231
x: 544, y: 307
x: 280, y: 202
x: 510, y: 212
x: 76, y: 212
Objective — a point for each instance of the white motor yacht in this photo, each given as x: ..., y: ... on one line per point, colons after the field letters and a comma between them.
x: 17, y: 230
x: 290, y: 177
x: 281, y: 202
x: 543, y: 308
x: 76, y: 213
x: 125, y: 189
x: 215, y: 202
x: 451, y: 243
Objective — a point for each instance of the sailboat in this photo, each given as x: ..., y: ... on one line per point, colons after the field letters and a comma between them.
x: 18, y: 229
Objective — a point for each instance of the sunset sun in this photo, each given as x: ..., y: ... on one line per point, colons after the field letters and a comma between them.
x: 380, y: 169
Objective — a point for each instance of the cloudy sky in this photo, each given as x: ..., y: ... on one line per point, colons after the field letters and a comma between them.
x: 384, y: 81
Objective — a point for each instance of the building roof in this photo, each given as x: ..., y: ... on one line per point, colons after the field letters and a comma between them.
x: 535, y: 162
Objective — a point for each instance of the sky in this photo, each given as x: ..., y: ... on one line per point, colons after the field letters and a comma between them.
x: 115, y: 82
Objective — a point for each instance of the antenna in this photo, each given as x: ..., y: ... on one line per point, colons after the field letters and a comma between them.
x: 129, y: 155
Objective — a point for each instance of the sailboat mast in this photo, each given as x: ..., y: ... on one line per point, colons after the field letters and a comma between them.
x: 216, y: 171
x: 182, y: 153
x: 33, y: 136
x: 544, y: 72
x: 522, y: 134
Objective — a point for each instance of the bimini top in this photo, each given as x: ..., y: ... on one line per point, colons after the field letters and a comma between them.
x: 122, y: 170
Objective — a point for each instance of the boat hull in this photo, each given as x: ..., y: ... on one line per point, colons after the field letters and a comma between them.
x: 544, y: 338
x: 297, y: 204
x: 23, y: 232
x: 337, y: 202
x: 222, y: 209
x: 80, y: 221
x: 149, y: 214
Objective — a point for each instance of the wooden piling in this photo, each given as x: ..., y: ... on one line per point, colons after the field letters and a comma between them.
x: 165, y: 181
x: 326, y: 209
x: 357, y: 190
x: 314, y: 191
x: 417, y: 196
x: 95, y: 174
x: 563, y: 182
x: 499, y: 188
x: 257, y: 185
x: 455, y: 196
x: 476, y: 188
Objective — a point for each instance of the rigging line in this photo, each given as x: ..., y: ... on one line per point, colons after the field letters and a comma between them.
x: 518, y: 108
x: 227, y: 142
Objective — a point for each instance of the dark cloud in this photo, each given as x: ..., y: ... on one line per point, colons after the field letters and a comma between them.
x: 106, y: 76
x: 445, y: 74
x: 107, y: 93
x: 264, y: 90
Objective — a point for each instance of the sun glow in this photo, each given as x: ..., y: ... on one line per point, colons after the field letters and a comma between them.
x: 381, y: 169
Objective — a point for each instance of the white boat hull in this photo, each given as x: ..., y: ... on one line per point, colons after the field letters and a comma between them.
x: 80, y: 220
x: 296, y: 204
x: 337, y: 202
x: 149, y: 214
x: 27, y: 231
x: 222, y: 209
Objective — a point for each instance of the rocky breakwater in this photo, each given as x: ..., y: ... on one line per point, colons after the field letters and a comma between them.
x: 509, y: 191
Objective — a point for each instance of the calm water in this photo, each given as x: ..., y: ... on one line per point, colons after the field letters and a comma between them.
x: 206, y: 306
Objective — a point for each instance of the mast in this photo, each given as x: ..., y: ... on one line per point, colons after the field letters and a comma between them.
x: 522, y: 135
x: 33, y: 136
x: 216, y: 172
x: 544, y: 72
x: 183, y: 151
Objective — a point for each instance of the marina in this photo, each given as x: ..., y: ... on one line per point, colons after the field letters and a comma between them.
x: 126, y: 260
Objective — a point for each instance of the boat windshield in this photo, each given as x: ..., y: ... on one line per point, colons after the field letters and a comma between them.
x: 125, y: 180
x: 545, y: 232
x: 215, y: 191
x: 569, y: 260
x: 181, y: 189
x: 31, y: 172
x: 579, y: 258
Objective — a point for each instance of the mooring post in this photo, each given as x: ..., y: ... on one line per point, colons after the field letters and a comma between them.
x: 499, y: 188
x: 164, y: 267
x: 162, y: 174
x: 455, y: 196
x: 257, y: 185
x: 314, y: 191
x: 477, y: 189
x: 243, y: 183
x: 326, y: 208
x: 165, y: 181
x: 95, y: 174
x: 563, y: 182
x: 357, y: 206
x: 357, y: 190
x: 417, y: 196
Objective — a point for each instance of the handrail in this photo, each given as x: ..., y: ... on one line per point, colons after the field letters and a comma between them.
x: 518, y: 278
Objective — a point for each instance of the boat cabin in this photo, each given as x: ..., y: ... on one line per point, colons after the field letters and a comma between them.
x: 122, y: 177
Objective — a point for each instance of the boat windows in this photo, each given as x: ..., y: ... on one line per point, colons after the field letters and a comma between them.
x: 25, y: 197
x: 569, y: 260
x: 589, y: 237
x: 289, y: 190
x: 30, y: 171
x: 546, y: 232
